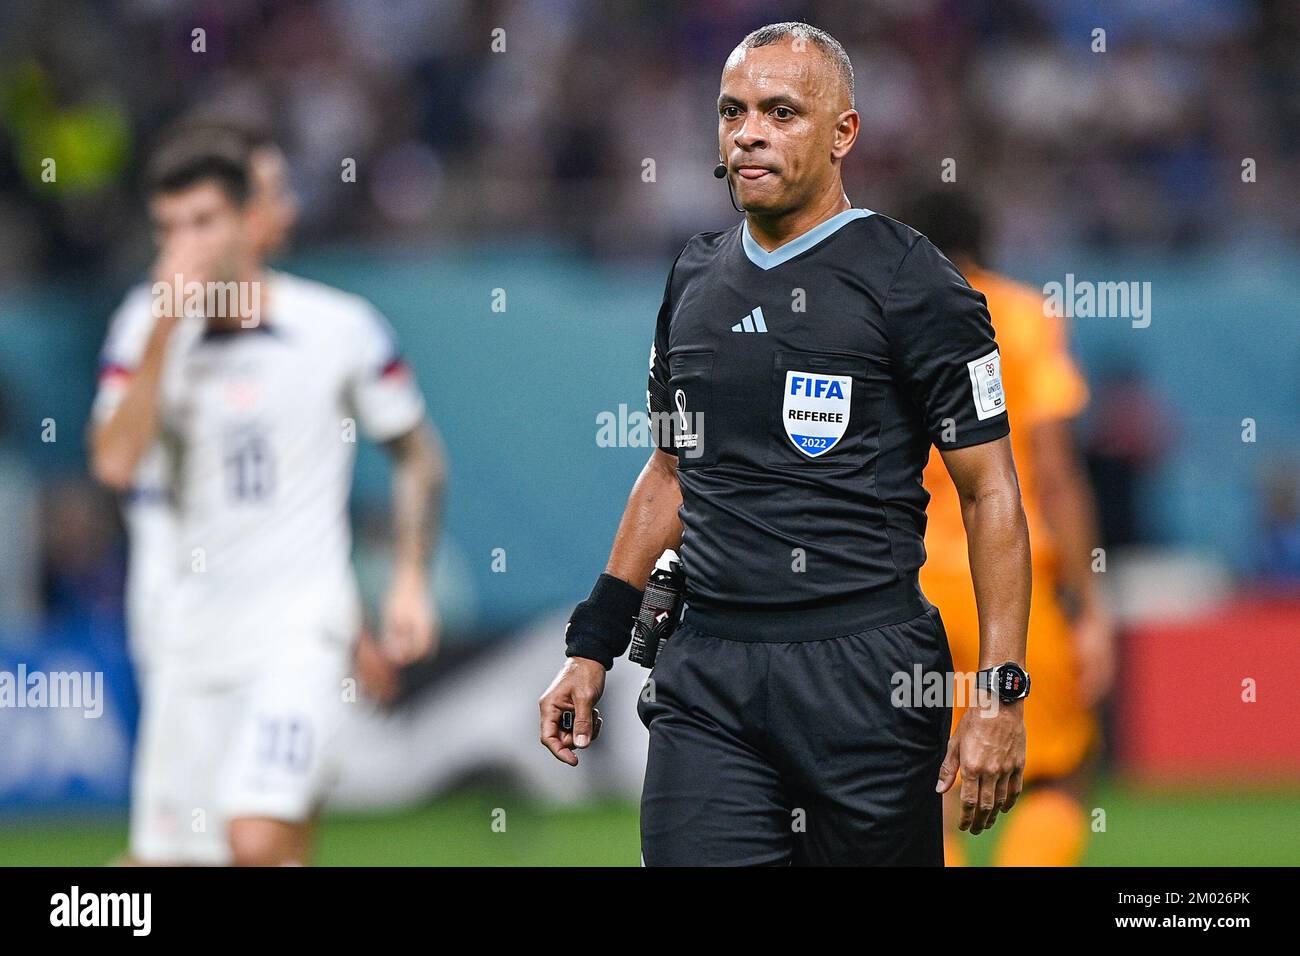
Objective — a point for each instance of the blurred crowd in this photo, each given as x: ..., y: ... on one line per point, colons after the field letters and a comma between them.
x: 496, y: 119
x: 590, y: 124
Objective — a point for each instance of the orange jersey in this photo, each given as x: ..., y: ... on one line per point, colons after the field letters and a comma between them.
x: 1041, y: 384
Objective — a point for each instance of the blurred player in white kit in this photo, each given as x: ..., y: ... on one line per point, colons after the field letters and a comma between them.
x: 242, y: 418
x: 272, y: 210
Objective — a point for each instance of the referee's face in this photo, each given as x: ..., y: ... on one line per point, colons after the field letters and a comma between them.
x: 784, y: 122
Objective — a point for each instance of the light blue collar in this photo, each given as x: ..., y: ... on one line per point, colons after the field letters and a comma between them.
x: 787, y: 251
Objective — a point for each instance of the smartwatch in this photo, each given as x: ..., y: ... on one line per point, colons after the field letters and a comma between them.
x: 1009, y: 680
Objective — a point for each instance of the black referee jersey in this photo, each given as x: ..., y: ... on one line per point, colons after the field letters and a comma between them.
x: 801, y: 390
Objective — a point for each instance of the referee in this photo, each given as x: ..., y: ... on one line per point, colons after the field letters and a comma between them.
x: 803, y: 364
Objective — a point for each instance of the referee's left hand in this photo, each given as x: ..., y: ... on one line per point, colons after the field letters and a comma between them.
x: 989, y: 751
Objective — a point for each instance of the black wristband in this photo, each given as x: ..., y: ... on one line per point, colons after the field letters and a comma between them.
x: 601, y: 626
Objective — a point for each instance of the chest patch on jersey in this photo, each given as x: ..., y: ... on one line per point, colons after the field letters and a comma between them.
x: 815, y: 410
x: 986, y: 385
x: 242, y: 393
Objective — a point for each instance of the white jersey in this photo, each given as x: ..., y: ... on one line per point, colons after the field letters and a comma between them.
x: 263, y: 424
x: 146, y: 507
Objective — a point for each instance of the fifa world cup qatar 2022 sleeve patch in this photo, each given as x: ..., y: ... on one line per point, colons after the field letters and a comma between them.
x: 986, y: 385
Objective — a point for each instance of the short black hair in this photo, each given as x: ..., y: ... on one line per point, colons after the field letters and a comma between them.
x: 951, y: 219
x: 831, y: 48
x: 192, y: 155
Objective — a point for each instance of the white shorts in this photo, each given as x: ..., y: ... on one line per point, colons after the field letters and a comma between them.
x: 208, y: 752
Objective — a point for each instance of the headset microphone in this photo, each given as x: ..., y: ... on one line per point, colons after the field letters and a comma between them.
x: 720, y: 172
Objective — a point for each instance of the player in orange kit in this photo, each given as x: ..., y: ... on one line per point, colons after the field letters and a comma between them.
x: 1070, y: 652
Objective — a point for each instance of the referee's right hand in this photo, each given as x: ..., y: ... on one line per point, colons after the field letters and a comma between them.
x: 577, y: 687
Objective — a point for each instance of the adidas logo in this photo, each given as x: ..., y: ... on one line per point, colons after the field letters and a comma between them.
x: 751, y: 323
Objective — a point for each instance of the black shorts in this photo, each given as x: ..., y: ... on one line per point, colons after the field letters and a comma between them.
x: 794, y: 753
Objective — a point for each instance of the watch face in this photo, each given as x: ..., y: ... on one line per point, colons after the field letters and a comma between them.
x: 1011, y: 682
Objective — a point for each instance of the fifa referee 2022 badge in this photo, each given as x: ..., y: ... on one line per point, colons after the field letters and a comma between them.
x: 804, y: 362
